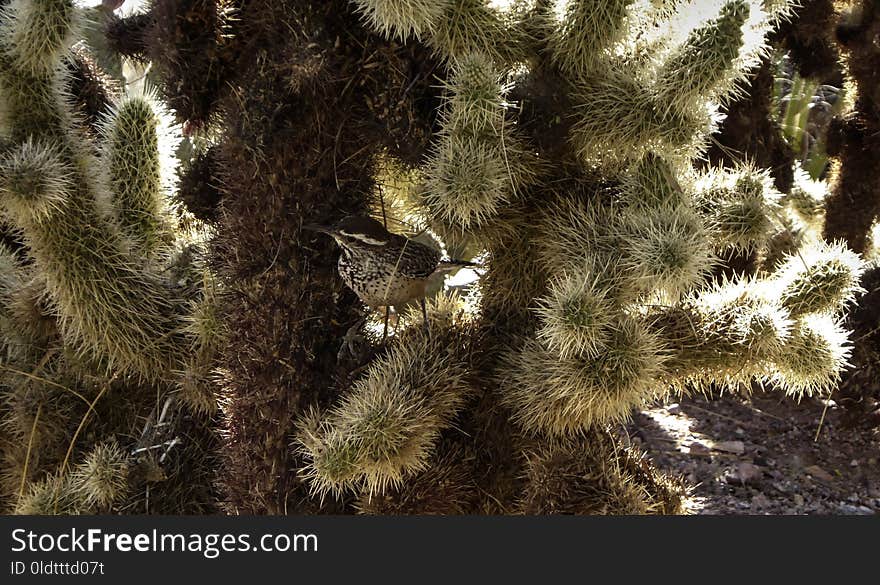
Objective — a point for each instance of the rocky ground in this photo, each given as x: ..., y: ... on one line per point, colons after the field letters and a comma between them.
x: 764, y: 455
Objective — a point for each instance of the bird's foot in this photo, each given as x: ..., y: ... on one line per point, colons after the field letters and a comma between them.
x: 354, y: 345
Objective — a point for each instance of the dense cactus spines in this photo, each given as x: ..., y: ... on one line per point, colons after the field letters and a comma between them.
x: 812, y: 357
x: 131, y: 136
x: 303, y: 126
x: 190, y: 44
x: 90, y: 89
x: 577, y: 32
x: 93, y: 486
x: 34, y: 180
x: 37, y: 33
x: 620, y: 119
x: 587, y: 477
x: 705, y: 59
x: 766, y: 329
x: 821, y: 279
x: 94, y: 326
x: 741, y: 208
x: 558, y: 151
x: 478, y: 163
x: 563, y: 396
x: 80, y: 252
x: 385, y: 428
x: 577, y: 316
x: 668, y: 249
x: 198, y: 185
x: 402, y: 19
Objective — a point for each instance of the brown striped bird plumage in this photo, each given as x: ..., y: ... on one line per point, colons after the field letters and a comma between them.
x: 381, y: 267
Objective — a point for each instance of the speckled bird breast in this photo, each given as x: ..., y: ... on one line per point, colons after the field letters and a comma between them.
x: 378, y: 283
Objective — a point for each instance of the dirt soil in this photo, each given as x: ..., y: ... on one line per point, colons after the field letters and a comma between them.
x: 761, y: 455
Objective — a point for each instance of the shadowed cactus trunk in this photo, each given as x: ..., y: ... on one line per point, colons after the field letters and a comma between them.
x: 854, y: 199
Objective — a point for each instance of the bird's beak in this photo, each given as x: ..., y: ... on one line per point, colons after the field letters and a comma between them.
x: 317, y: 228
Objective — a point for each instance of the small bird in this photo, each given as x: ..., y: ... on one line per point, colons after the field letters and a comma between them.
x: 384, y: 268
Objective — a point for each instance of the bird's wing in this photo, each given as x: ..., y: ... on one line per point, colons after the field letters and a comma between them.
x: 417, y: 260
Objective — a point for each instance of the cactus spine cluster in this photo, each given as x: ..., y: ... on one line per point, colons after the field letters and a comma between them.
x: 95, y: 301
x: 601, y: 241
x: 562, y: 158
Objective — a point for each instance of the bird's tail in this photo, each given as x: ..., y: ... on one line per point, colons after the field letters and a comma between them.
x: 450, y: 265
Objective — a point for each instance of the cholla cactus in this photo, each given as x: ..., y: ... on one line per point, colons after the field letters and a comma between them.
x: 94, y: 305
x: 94, y: 486
x: 609, y: 237
x: 562, y: 157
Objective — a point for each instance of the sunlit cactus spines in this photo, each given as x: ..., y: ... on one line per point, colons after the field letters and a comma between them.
x: 476, y: 97
x: 619, y: 119
x: 651, y: 182
x: 137, y: 176
x: 741, y: 207
x: 806, y: 200
x: 577, y: 315
x: 821, y: 278
x: 557, y: 396
x: 578, y: 31
x: 668, y: 249
x: 558, y: 146
x: 386, y: 427
x: 94, y: 327
x: 80, y: 252
x: 34, y: 182
x: 479, y: 163
x: 575, y: 235
x: 698, y: 65
x: 403, y: 18
x: 36, y: 33
x: 813, y: 356
x: 490, y: 27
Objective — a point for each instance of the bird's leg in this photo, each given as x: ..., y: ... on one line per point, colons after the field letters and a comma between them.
x: 425, y: 317
x: 353, y: 341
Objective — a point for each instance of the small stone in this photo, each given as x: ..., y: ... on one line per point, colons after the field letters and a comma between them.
x: 745, y: 472
x: 854, y: 463
x: 736, y: 447
x: 760, y: 501
x: 673, y: 408
x: 739, y: 431
x: 818, y: 473
x: 798, y: 500
x: 845, y: 508
x: 696, y: 448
